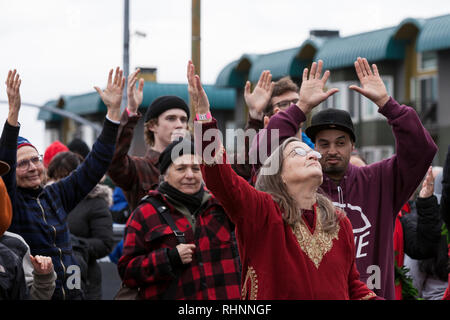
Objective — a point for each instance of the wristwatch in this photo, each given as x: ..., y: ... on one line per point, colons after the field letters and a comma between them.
x: 202, y: 117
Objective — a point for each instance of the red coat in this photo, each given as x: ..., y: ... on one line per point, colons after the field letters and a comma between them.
x: 279, y: 262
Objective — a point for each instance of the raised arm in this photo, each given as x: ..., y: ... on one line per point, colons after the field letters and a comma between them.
x: 239, y: 199
x: 77, y: 185
x: 13, y: 91
x: 415, y: 149
x: 287, y: 123
x: 258, y: 100
x: 123, y: 169
x: 8, y: 140
x: 422, y: 231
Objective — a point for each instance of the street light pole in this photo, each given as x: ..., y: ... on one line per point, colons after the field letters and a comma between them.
x: 195, y: 41
x: 126, y: 47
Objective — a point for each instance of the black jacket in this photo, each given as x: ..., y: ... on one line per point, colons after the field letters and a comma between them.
x: 422, y: 228
x: 12, y: 278
x: 91, y: 223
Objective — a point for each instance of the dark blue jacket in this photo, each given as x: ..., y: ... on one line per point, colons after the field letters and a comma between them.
x: 40, y: 215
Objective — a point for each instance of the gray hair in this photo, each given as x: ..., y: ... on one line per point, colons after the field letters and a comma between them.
x: 273, y: 184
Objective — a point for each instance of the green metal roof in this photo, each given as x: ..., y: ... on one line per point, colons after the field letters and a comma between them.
x: 47, y: 115
x: 435, y: 34
x: 375, y: 46
x: 82, y: 104
x: 281, y: 63
x: 231, y: 76
x: 90, y: 103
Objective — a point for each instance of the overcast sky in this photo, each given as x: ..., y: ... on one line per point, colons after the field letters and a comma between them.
x: 67, y: 46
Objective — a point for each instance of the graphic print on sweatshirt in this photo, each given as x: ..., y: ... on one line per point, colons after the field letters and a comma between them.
x: 361, y: 227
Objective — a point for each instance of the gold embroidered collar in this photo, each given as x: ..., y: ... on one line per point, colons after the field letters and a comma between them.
x: 315, y: 245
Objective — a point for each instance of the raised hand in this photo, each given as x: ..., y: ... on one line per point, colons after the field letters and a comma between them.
x: 373, y: 86
x: 112, y: 95
x: 258, y: 99
x: 13, y: 92
x: 135, y: 95
x: 312, y: 89
x: 428, y: 185
x: 196, y: 92
x: 41, y: 264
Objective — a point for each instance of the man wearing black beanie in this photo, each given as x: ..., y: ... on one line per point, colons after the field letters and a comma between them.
x: 165, y: 120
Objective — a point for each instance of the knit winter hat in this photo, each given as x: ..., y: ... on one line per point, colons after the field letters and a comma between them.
x: 164, y: 103
x: 166, y: 157
x: 22, y: 142
x: 52, y: 150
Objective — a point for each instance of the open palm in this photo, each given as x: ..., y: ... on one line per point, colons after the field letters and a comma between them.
x: 197, y: 93
x: 13, y: 90
x: 112, y: 95
x: 135, y: 95
x: 372, y: 86
x: 312, y: 89
x: 260, y: 97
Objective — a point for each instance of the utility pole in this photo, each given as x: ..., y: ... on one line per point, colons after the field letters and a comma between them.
x: 195, y: 50
x: 126, y: 48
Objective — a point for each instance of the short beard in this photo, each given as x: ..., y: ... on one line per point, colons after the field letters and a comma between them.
x: 333, y: 170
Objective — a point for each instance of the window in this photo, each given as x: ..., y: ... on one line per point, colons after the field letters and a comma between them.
x: 376, y: 153
x: 427, y: 60
x: 424, y: 92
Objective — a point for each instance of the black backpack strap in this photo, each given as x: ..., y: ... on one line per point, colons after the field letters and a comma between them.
x: 164, y: 213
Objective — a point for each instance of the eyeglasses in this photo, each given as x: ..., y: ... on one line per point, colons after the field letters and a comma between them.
x: 25, y: 164
x: 285, y: 103
x: 302, y: 152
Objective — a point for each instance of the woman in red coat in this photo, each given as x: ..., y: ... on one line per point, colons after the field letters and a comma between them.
x: 293, y: 243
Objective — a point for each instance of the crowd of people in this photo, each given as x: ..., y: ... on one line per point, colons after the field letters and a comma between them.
x: 297, y: 214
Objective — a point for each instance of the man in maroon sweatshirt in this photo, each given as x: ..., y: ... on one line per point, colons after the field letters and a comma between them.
x: 371, y: 195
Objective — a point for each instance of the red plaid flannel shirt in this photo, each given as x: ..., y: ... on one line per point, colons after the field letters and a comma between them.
x: 214, y: 272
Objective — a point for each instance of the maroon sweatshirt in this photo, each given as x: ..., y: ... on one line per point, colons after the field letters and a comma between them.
x: 373, y: 195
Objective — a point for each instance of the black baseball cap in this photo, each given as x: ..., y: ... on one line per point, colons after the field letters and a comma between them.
x: 330, y: 119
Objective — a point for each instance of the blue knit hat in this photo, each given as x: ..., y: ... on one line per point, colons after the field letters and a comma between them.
x: 22, y: 142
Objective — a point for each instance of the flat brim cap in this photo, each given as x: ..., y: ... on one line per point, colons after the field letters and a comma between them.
x: 4, y: 168
x: 330, y: 119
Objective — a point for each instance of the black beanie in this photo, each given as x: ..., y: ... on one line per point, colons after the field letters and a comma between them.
x: 164, y: 103
x: 184, y: 146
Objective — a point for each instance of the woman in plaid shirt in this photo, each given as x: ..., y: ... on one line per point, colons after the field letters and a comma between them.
x: 206, y: 265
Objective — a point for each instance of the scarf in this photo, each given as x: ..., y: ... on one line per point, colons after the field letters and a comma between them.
x: 192, y: 202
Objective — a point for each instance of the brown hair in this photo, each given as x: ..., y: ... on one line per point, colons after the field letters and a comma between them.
x: 274, y: 185
x: 149, y: 136
x: 63, y: 164
x: 282, y: 86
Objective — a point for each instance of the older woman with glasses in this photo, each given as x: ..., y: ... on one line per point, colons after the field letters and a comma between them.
x: 40, y: 213
x: 293, y: 243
